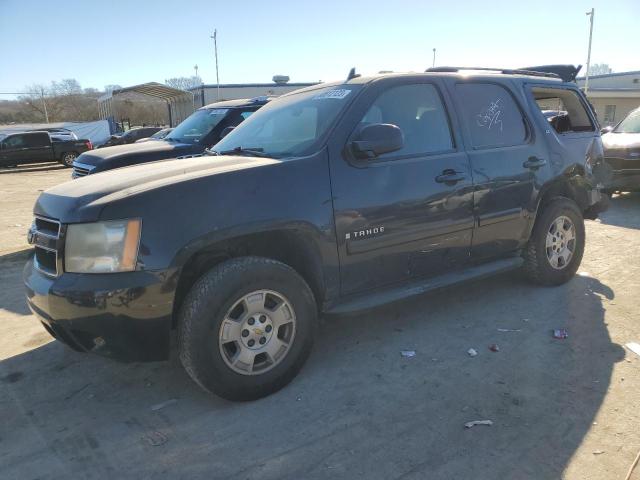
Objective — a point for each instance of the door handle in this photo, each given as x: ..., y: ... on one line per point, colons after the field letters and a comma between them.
x: 534, y: 163
x: 450, y: 176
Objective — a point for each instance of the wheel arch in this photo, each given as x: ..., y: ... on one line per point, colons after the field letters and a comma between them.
x: 295, y: 247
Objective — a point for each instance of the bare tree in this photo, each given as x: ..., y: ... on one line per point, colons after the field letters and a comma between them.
x: 40, y: 99
x: 599, y: 69
x: 184, y: 83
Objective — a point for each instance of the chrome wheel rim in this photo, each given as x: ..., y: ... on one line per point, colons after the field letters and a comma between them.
x: 69, y: 158
x: 561, y: 242
x: 257, y: 332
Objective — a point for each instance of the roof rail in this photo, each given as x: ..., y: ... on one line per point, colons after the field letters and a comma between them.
x: 505, y: 71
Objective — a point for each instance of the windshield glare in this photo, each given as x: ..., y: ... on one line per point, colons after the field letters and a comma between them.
x: 631, y: 124
x: 292, y: 125
x: 197, y: 125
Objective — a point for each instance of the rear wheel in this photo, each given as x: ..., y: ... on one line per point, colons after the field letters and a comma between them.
x: 68, y: 158
x: 246, y: 328
x: 556, y: 246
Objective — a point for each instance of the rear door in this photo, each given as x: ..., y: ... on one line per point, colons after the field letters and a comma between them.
x: 505, y: 159
x: 397, y: 217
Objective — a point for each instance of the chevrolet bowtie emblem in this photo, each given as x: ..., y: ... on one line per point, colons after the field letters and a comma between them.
x: 258, y: 331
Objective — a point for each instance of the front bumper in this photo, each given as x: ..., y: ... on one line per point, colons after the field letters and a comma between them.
x: 624, y: 181
x: 126, y: 316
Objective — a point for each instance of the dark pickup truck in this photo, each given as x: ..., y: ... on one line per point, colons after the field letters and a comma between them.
x: 200, y: 130
x: 36, y: 147
x: 335, y: 198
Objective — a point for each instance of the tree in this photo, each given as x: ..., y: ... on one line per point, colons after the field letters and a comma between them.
x: 599, y: 69
x: 184, y: 83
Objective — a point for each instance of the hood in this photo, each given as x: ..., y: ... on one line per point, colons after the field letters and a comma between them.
x: 619, y: 141
x: 134, y: 153
x: 83, y: 199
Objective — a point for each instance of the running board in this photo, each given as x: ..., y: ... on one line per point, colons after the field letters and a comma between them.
x: 380, y: 297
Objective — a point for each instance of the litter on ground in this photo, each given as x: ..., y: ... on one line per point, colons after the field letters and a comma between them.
x: 478, y: 422
x: 472, y: 352
x: 408, y: 353
x: 560, y: 333
x: 634, y: 347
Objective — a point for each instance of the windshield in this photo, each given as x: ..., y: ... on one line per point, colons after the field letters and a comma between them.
x: 197, y: 125
x: 631, y: 124
x: 292, y: 125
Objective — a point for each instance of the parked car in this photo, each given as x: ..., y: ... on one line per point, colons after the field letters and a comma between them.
x: 200, y: 130
x: 334, y: 198
x: 156, y: 136
x: 35, y: 147
x: 622, y: 154
x: 130, y: 136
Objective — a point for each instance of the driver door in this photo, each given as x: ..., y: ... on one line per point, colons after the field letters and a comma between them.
x: 397, y: 217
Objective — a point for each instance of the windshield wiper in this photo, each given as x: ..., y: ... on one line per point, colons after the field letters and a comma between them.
x: 249, y: 152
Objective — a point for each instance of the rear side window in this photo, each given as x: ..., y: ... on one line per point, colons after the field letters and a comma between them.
x: 563, y: 109
x: 491, y: 115
x: 16, y: 141
x: 34, y: 140
x: 420, y: 114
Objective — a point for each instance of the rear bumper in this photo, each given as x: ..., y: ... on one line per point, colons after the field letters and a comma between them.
x: 126, y: 316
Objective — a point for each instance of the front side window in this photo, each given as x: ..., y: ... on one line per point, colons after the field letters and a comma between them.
x: 491, y: 115
x: 631, y: 124
x: 419, y: 112
x: 17, y: 141
x: 609, y: 114
x: 198, y: 125
x: 292, y: 125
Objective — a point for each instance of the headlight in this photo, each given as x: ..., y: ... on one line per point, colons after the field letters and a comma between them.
x: 102, y: 247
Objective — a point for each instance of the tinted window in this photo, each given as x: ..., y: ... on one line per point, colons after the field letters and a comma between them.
x: 198, y: 125
x: 491, y: 115
x: 34, y: 140
x: 420, y: 114
x: 16, y: 141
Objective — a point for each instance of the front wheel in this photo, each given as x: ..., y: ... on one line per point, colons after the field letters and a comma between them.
x: 68, y: 158
x: 556, y: 246
x: 246, y: 328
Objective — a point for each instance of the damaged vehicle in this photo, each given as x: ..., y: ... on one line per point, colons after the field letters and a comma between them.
x: 335, y: 198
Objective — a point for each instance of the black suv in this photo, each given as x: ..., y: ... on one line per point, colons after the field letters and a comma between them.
x: 335, y: 198
x: 199, y: 131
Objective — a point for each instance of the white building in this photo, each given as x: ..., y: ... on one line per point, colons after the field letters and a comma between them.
x: 210, y: 93
x: 613, y: 95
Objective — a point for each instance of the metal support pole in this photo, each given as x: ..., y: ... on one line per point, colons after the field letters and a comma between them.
x: 434, y: 58
x: 44, y: 104
x: 586, y: 79
x: 215, y: 48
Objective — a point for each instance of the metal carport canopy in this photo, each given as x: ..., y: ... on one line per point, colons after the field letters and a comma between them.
x: 179, y: 102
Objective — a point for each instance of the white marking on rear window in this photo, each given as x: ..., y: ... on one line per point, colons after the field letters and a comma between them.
x: 491, y: 116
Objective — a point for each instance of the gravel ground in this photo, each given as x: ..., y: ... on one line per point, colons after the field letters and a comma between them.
x: 560, y: 408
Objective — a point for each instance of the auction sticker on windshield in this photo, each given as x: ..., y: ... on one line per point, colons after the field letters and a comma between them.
x: 218, y: 111
x: 338, y: 93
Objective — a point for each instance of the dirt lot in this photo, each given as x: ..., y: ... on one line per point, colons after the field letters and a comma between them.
x: 561, y: 408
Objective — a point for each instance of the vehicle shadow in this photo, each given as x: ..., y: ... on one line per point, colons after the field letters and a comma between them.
x: 32, y: 167
x: 12, y: 291
x: 359, y: 408
x: 624, y: 211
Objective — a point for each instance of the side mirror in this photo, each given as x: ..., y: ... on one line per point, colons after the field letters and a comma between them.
x: 606, y: 129
x: 377, y: 139
x: 226, y: 131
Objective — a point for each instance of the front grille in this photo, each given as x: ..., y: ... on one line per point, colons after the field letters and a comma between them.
x: 80, y: 172
x: 44, y: 235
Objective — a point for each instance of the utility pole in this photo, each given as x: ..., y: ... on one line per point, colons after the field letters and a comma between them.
x: 586, y: 79
x: 44, y: 104
x: 195, y: 67
x: 215, y: 47
x: 434, y: 58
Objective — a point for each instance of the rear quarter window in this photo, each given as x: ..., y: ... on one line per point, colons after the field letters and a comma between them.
x: 491, y: 115
x: 563, y: 109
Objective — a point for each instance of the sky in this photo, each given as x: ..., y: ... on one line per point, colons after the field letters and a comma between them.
x: 102, y: 42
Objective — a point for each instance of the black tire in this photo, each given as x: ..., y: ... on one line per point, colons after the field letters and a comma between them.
x: 537, y: 266
x: 205, y: 308
x: 67, y: 158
